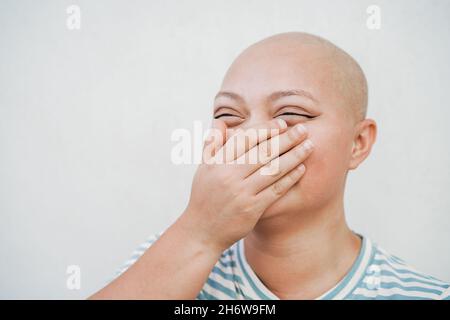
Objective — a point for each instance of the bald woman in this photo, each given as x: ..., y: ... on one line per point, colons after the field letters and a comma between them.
x: 250, y: 235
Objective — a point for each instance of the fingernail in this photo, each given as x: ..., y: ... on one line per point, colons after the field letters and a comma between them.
x: 282, y: 123
x: 308, y: 144
x: 300, y: 128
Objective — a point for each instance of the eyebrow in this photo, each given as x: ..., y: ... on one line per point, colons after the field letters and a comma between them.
x: 286, y: 93
x: 272, y: 97
x: 228, y: 94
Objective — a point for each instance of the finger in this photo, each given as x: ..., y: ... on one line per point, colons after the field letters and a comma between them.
x: 270, y: 149
x: 214, y: 140
x: 276, y: 190
x: 279, y: 167
x: 243, y: 140
x: 220, y: 127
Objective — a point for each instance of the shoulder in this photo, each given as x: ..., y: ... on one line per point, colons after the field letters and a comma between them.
x: 389, y: 277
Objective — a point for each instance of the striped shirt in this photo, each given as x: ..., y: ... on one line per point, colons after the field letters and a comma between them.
x: 375, y: 274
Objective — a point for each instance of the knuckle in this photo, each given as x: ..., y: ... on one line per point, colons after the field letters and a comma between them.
x: 246, y: 207
x: 246, y: 210
x: 299, y: 152
x: 277, y: 188
x: 273, y: 170
x: 292, y: 135
x: 263, y: 150
x: 292, y: 177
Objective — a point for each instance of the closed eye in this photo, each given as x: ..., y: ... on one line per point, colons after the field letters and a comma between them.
x: 296, y: 114
x: 224, y: 115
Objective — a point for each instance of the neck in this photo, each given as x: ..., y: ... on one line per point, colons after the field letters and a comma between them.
x: 303, y: 254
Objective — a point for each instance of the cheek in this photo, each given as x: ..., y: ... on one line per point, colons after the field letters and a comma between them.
x: 326, y: 168
x: 324, y: 178
x: 327, y: 165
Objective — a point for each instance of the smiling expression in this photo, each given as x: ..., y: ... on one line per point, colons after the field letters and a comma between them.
x: 300, y: 82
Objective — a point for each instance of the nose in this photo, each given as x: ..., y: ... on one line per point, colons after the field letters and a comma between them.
x: 252, y: 124
x: 257, y: 122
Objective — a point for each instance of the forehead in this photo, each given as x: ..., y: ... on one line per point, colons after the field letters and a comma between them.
x: 260, y: 72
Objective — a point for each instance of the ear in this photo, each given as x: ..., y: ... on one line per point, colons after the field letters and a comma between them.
x: 365, y: 136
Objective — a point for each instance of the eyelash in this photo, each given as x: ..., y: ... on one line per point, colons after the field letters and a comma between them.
x: 283, y: 114
x: 224, y: 115
x: 296, y: 114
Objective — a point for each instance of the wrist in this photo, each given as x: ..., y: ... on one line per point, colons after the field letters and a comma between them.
x: 198, y: 233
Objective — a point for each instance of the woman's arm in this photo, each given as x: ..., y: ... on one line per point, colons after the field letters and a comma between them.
x: 226, y: 202
x: 176, y: 266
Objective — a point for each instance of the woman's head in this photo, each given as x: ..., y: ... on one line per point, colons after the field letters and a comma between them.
x: 303, y: 79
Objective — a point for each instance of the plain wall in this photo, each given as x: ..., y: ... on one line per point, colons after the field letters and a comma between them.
x: 86, y: 118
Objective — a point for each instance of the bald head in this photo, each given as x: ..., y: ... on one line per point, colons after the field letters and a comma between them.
x: 332, y: 68
x: 302, y: 79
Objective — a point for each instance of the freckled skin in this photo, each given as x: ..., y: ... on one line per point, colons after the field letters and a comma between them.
x: 284, y: 63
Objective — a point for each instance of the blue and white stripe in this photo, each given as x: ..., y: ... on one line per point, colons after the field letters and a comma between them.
x: 375, y: 274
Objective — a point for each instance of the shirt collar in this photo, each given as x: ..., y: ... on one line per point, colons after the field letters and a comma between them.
x: 255, y: 289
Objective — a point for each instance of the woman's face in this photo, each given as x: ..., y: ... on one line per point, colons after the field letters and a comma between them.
x: 298, y: 87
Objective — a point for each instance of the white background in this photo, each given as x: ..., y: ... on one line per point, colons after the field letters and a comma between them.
x: 86, y: 118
